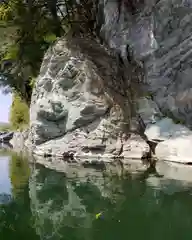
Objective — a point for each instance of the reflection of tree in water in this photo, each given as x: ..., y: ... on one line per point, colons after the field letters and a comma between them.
x: 19, y: 173
x: 15, y: 216
x: 55, y: 206
x: 67, y: 207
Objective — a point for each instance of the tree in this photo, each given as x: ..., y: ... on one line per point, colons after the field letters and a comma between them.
x: 22, y: 56
x: 36, y: 25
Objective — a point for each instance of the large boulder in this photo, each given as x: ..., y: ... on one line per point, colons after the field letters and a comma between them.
x: 80, y: 104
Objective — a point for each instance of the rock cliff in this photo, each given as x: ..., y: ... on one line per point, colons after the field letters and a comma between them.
x: 83, y: 103
x: 88, y: 102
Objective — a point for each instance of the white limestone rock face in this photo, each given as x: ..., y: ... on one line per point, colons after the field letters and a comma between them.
x: 77, y: 106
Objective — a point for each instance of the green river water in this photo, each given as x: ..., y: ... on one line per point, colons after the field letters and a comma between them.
x: 40, y: 204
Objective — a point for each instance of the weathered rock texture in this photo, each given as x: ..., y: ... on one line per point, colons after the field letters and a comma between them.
x: 81, y: 103
x: 159, y: 35
x: 87, y: 102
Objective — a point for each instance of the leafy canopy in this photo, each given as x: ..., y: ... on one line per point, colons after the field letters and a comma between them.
x: 31, y: 26
x: 33, y: 30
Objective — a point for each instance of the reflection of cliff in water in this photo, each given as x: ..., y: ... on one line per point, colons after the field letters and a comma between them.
x: 65, y: 207
x: 46, y: 204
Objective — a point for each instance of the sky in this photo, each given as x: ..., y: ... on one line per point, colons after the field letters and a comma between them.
x: 5, y: 102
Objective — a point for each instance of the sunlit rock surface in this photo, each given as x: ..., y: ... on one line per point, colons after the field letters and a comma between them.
x: 79, y: 104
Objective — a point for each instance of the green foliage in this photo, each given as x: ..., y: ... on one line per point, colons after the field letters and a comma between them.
x: 21, y: 56
x: 50, y: 38
x: 5, y: 12
x: 32, y: 82
x: 11, y: 53
x: 35, y: 25
x: 19, y: 115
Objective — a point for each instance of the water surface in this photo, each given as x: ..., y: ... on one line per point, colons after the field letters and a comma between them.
x: 39, y: 203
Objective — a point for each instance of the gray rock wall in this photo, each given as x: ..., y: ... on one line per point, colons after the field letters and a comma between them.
x: 159, y: 37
